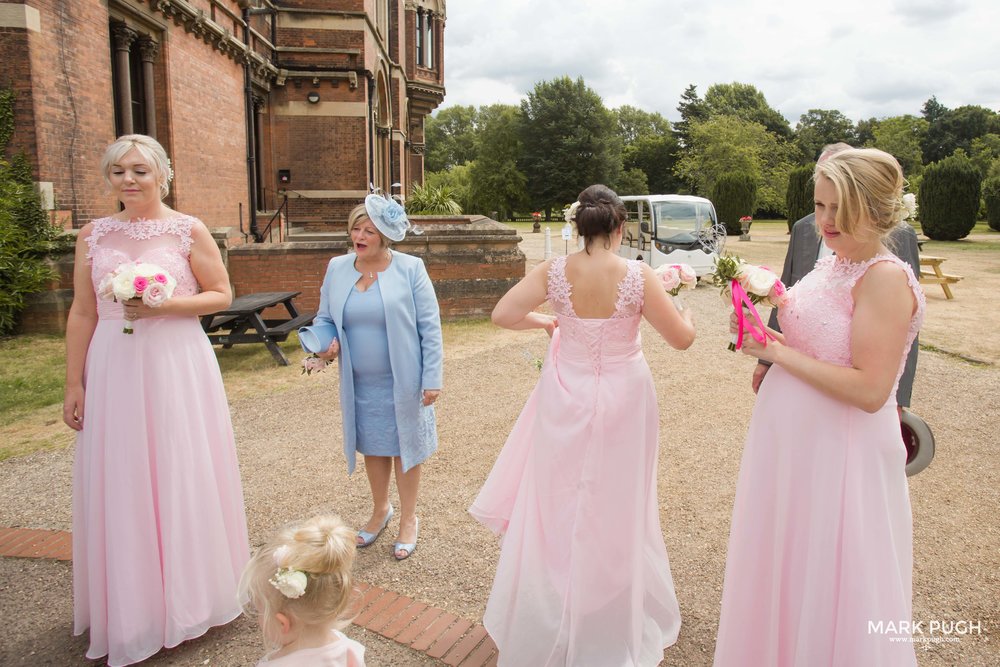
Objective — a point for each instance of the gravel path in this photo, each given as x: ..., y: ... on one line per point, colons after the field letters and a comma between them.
x: 292, y: 467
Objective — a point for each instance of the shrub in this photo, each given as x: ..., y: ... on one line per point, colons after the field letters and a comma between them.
x: 734, y: 196
x: 949, y: 198
x: 429, y: 200
x: 991, y: 193
x: 799, y: 196
x: 26, y: 235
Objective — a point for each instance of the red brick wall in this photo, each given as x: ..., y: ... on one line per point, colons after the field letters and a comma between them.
x: 66, y: 118
x: 472, y: 265
x: 15, y: 74
x: 71, y: 101
x: 207, y: 130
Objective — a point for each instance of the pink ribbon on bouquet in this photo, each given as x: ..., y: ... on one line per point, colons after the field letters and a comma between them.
x: 741, y: 298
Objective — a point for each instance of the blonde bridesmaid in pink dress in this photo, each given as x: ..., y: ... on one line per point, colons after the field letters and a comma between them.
x: 819, y: 568
x: 159, y: 531
x: 583, y: 576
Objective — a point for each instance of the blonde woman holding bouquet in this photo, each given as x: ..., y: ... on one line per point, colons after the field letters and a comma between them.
x: 583, y: 576
x: 159, y: 531
x: 819, y: 568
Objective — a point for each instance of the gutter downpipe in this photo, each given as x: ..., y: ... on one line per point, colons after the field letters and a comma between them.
x: 251, y: 138
x: 371, y: 131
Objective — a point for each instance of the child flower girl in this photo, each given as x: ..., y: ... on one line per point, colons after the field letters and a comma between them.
x: 299, y: 586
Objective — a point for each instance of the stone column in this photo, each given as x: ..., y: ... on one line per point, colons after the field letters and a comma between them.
x: 149, y: 48
x: 124, y: 36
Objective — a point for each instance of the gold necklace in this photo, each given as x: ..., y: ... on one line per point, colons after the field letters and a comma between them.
x: 371, y: 274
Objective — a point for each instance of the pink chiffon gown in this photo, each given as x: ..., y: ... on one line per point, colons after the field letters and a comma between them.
x: 159, y: 530
x: 583, y: 576
x: 820, y: 559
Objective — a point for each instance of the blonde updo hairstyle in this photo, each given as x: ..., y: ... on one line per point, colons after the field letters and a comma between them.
x: 150, y: 150
x: 359, y: 213
x: 600, y: 213
x: 322, y: 547
x: 869, y: 185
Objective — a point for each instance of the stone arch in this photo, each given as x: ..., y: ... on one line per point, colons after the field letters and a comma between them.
x: 382, y: 110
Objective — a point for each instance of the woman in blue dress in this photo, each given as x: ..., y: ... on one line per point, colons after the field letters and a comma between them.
x: 379, y: 316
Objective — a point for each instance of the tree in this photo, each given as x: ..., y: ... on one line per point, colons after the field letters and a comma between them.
x: 820, y: 127
x: 956, y: 128
x: 631, y: 182
x: 949, y: 198
x: 495, y: 182
x: 901, y: 137
x: 725, y: 144
x: 450, y: 137
x: 656, y: 156
x: 649, y: 146
x: 985, y: 152
x: 744, y: 101
x: 635, y: 123
x: 734, y: 196
x: 570, y: 141
x: 864, y: 132
x: 799, y: 196
x: 933, y: 110
x: 693, y: 110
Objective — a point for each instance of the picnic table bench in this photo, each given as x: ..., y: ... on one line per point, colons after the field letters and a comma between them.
x: 243, y: 322
x: 934, y: 276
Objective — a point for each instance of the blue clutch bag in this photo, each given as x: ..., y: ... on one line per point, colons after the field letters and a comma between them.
x: 317, y: 338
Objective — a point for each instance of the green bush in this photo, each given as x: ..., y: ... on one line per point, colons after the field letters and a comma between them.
x: 991, y: 193
x: 799, y: 196
x: 949, y: 198
x: 429, y: 200
x: 26, y: 235
x: 734, y: 196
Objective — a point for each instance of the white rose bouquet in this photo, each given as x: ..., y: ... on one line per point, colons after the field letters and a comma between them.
x: 137, y: 280
x: 748, y: 285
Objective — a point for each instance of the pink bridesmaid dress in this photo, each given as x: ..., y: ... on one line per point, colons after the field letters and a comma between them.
x: 583, y: 576
x: 159, y: 530
x: 819, y: 567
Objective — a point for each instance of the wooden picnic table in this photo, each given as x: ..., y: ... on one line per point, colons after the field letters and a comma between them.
x: 934, y: 276
x: 243, y: 322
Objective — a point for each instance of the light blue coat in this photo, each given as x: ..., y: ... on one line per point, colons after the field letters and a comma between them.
x: 413, y: 328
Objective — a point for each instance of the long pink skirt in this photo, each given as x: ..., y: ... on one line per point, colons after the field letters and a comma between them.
x: 159, y: 530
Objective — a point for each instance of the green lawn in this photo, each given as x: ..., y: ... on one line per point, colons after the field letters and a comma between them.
x: 32, y: 372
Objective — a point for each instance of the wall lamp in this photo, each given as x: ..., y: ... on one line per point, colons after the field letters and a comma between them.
x: 313, y: 97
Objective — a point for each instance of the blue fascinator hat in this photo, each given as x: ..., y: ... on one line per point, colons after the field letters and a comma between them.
x: 388, y: 216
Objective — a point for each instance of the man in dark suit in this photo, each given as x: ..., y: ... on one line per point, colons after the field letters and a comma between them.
x: 806, y: 246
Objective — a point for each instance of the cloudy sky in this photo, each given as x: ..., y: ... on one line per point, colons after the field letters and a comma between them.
x: 864, y: 58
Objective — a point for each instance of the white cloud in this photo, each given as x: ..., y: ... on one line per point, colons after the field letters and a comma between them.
x: 860, y: 57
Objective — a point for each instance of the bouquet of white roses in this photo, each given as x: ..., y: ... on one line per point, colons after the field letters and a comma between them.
x: 137, y: 280
x: 747, y: 285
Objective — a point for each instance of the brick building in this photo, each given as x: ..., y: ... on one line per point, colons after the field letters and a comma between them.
x: 254, y: 100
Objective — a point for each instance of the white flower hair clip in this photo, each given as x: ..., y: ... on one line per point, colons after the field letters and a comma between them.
x: 570, y: 211
x: 289, y: 581
x: 907, y: 208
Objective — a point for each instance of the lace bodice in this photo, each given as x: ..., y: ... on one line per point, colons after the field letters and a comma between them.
x: 166, y: 243
x: 627, y: 305
x: 598, y: 338
x: 817, y: 318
